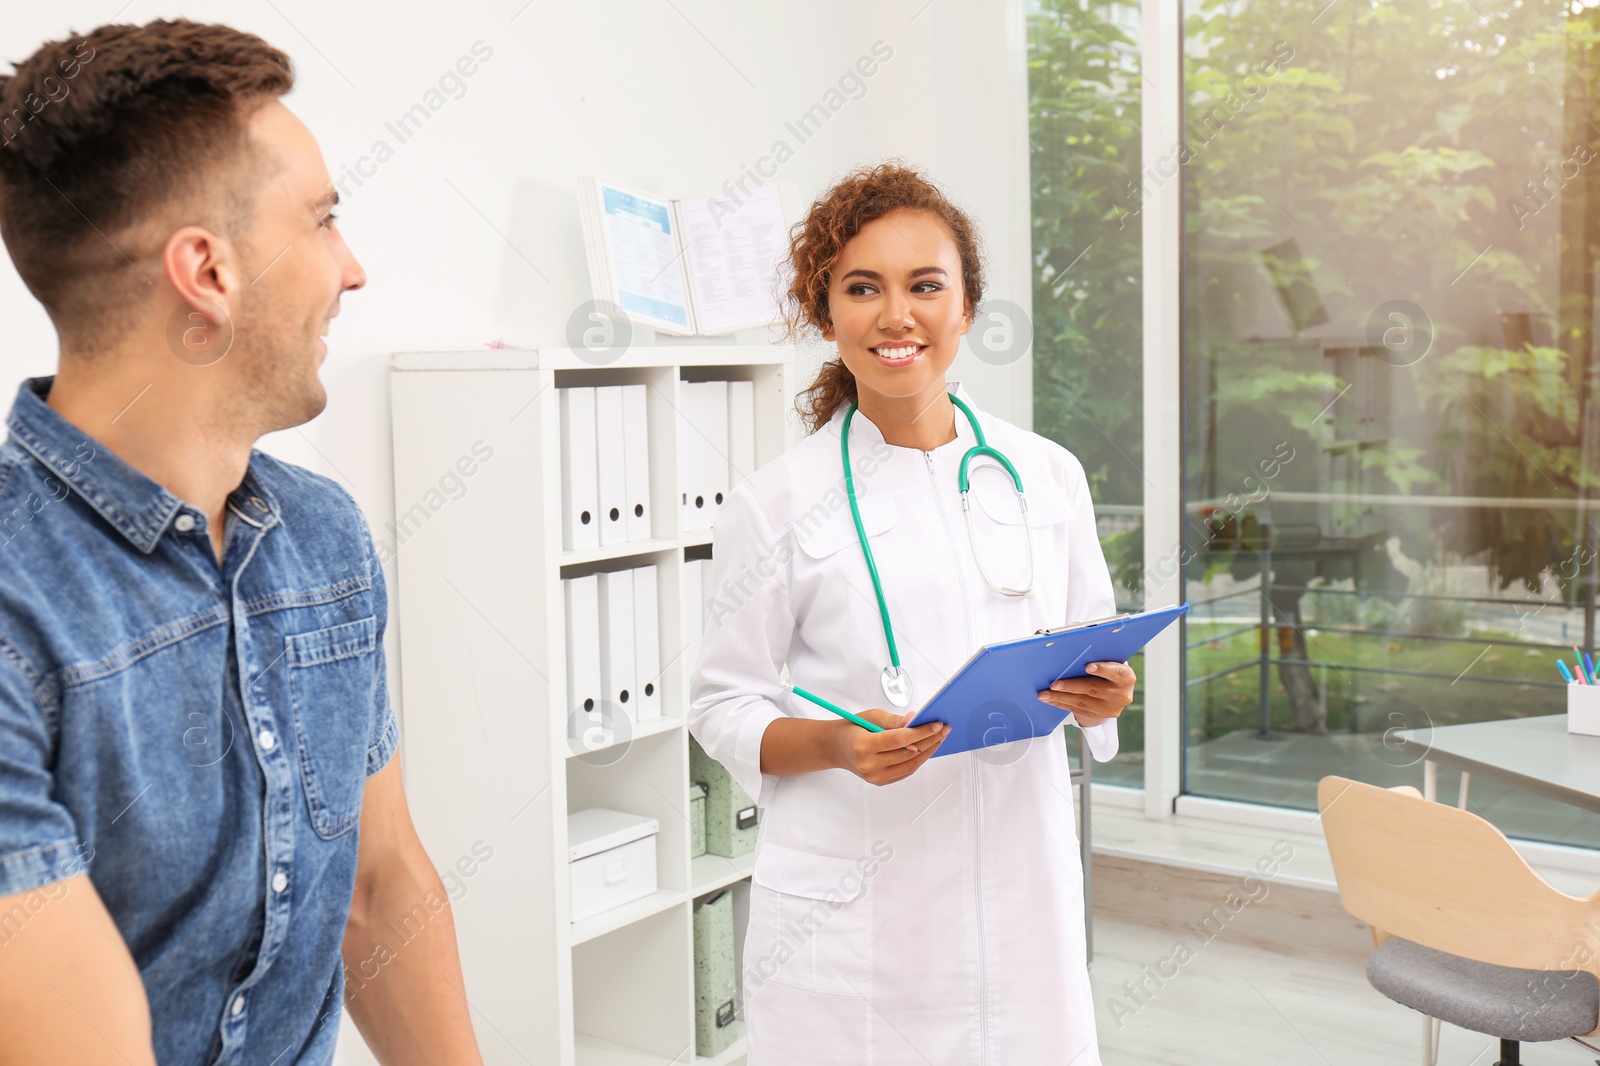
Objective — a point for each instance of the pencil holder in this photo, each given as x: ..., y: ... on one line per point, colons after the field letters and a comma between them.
x: 1583, y: 709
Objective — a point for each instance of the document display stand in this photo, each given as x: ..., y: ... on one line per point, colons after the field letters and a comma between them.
x: 482, y: 584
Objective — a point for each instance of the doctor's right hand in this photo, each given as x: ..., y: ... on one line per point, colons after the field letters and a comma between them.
x: 894, y: 754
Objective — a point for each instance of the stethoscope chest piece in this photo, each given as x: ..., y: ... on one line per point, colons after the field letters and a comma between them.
x: 896, y: 685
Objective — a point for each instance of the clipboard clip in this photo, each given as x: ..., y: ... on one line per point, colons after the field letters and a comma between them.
x: 1078, y: 625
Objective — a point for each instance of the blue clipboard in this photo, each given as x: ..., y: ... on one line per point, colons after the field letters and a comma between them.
x: 994, y: 698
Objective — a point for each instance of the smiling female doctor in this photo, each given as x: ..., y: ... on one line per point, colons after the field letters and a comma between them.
x: 903, y: 909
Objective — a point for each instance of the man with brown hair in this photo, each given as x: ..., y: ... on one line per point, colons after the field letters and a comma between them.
x: 199, y: 808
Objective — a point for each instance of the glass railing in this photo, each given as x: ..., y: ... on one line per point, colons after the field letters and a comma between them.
x: 1305, y: 653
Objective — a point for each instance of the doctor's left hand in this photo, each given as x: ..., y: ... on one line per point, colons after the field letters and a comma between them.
x: 1097, y: 698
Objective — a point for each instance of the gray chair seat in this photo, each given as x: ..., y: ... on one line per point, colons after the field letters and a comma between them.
x: 1501, y: 1001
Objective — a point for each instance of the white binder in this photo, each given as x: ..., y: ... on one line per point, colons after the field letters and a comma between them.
x: 636, y: 460
x: 580, y: 493
x: 689, y: 442
x: 704, y: 445
x: 584, y: 719
x: 617, y: 678
x: 612, y: 463
x: 647, y: 642
x: 741, y: 431
x: 714, y: 410
x: 693, y: 609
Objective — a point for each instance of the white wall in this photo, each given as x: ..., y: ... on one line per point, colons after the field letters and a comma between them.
x: 470, y: 232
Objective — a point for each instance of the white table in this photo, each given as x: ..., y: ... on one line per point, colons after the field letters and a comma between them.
x: 1536, y: 754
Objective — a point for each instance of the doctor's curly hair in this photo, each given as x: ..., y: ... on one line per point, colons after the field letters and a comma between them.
x: 864, y: 195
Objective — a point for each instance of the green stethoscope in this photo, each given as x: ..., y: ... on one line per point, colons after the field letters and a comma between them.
x: 896, y: 682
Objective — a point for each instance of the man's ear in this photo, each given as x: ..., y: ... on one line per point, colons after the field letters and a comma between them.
x: 203, y: 268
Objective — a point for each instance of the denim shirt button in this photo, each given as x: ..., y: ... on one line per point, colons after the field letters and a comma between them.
x: 184, y: 524
x: 268, y: 741
x: 280, y: 881
x: 238, y: 1006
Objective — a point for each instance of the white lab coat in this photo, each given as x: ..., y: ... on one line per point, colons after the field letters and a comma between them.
x: 938, y: 920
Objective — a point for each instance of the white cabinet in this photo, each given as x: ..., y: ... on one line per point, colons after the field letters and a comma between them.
x: 491, y: 774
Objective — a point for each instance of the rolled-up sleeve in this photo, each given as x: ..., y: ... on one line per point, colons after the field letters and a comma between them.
x: 38, y: 835
x: 737, y: 682
x: 1089, y: 590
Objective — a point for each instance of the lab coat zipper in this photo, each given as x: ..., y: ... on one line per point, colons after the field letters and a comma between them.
x: 955, y: 553
x: 977, y: 799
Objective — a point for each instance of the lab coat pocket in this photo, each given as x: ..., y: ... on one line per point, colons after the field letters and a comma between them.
x: 817, y: 932
x: 1001, y: 533
x: 821, y: 532
x: 831, y: 577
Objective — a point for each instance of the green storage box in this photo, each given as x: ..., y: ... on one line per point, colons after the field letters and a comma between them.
x: 697, y: 819
x: 730, y: 812
x: 716, y: 1022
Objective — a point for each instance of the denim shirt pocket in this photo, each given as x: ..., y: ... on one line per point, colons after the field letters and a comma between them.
x: 332, y: 685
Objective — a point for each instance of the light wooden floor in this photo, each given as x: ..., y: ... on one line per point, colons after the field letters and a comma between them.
x: 1242, y: 1000
x: 1239, y: 1004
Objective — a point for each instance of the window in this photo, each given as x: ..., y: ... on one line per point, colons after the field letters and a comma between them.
x: 1391, y: 443
x: 1083, y: 122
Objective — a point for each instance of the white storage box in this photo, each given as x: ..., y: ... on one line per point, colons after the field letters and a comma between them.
x: 1583, y: 709
x: 612, y: 857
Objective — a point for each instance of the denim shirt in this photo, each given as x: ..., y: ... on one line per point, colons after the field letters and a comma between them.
x: 193, y: 736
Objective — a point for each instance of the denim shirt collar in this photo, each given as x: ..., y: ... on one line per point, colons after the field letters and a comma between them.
x: 135, y: 505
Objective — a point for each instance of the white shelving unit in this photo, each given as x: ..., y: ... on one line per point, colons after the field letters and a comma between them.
x: 486, y: 755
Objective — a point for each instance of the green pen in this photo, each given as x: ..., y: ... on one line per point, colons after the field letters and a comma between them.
x: 836, y: 709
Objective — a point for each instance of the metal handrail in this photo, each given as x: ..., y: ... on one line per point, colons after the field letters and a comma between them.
x: 1382, y: 499
x: 1374, y: 670
x: 1419, y: 595
x: 1399, y: 633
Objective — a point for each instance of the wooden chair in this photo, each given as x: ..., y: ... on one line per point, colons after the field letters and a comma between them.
x: 1465, y: 931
